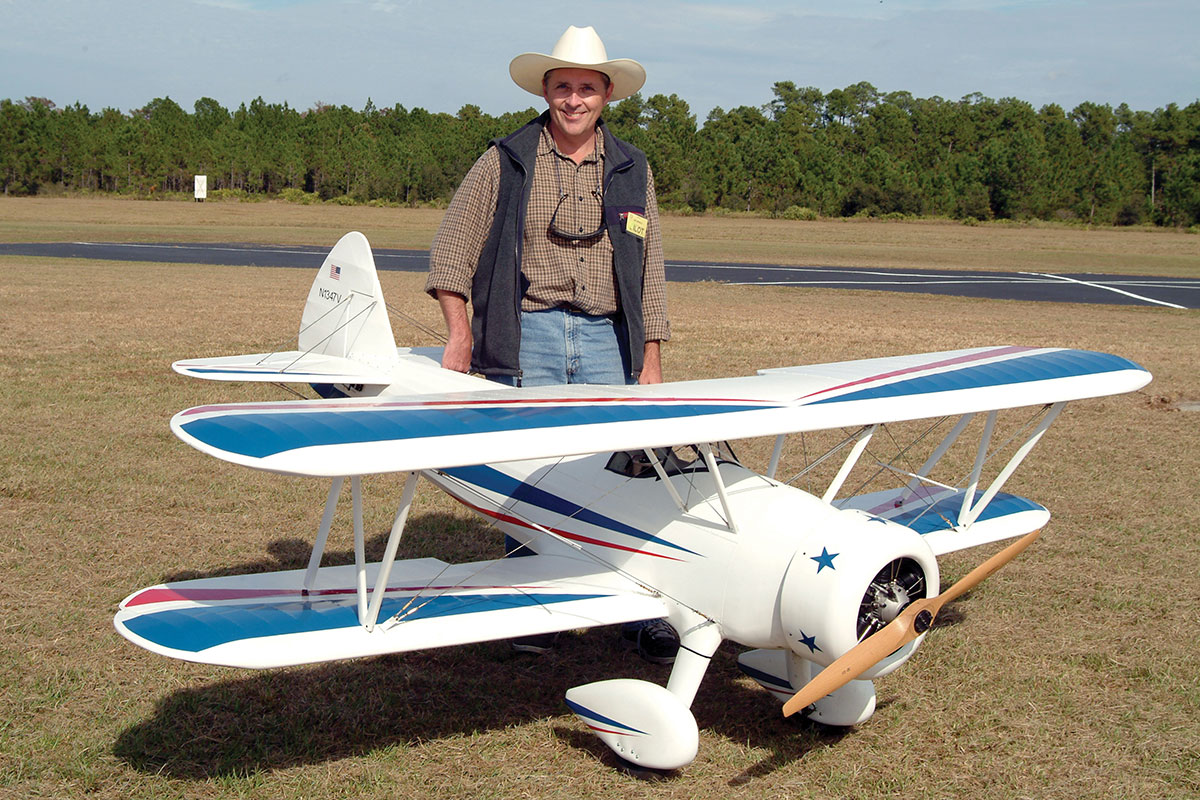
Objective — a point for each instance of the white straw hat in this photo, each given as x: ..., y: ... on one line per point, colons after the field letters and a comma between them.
x: 578, y: 48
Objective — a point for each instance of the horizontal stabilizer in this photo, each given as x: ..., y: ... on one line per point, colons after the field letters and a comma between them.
x: 268, y: 620
x: 417, y: 371
x: 287, y: 367
x: 345, y: 340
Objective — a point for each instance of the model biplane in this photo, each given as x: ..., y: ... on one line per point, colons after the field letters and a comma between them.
x: 633, y: 506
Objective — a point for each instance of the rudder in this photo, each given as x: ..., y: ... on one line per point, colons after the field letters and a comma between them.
x: 345, y: 314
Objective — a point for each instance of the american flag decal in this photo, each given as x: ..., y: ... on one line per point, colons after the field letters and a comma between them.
x: 335, y: 272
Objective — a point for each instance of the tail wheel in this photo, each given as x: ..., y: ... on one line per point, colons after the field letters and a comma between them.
x: 891, y: 590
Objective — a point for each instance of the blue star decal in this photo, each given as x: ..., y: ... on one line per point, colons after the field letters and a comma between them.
x: 825, y: 560
x: 809, y: 641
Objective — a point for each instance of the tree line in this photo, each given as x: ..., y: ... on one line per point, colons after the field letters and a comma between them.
x: 851, y: 151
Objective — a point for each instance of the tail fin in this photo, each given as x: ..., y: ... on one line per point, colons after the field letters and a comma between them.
x: 346, y: 346
x: 345, y: 315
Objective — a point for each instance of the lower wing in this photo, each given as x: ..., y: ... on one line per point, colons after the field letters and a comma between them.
x: 270, y: 620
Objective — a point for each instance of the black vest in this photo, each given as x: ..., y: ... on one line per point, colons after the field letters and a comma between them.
x: 498, y: 285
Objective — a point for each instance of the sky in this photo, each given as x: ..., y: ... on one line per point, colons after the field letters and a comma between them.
x: 443, y: 54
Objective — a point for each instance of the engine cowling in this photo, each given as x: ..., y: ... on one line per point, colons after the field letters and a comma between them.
x: 850, y: 579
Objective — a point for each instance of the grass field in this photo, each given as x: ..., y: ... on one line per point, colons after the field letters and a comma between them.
x: 1073, y: 673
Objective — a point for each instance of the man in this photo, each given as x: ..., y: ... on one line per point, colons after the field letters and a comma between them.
x: 554, y: 237
x: 560, y: 218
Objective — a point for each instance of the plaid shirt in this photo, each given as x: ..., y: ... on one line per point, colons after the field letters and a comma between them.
x: 560, y: 272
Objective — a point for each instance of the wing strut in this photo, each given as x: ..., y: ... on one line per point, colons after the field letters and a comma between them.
x: 775, y: 456
x: 368, y: 607
x: 971, y: 513
x: 389, y: 555
x: 985, y: 442
x: 864, y: 438
x: 666, y: 481
x: 314, y: 560
x: 360, y: 546
x: 711, y: 462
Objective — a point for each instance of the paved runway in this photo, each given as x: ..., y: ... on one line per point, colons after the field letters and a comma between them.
x: 1063, y: 288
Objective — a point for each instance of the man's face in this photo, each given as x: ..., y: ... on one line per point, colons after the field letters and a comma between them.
x: 576, y: 97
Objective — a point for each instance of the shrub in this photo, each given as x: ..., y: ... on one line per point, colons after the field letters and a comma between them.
x: 799, y: 213
x: 294, y: 195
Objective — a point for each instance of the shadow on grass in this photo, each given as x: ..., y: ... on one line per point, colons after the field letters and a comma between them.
x: 309, y: 715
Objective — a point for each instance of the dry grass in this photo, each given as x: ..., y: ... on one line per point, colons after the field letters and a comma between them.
x: 1072, y: 674
x: 934, y: 245
x: 859, y: 243
x: 106, y: 219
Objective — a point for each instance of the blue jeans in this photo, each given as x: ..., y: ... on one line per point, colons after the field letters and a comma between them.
x: 560, y: 346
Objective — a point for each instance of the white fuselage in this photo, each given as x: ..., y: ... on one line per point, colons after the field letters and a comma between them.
x: 691, y: 555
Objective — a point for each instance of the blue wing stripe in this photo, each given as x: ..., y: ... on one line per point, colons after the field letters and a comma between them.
x: 1024, y: 369
x: 201, y: 627
x: 929, y: 519
x: 495, y: 481
x: 259, y: 435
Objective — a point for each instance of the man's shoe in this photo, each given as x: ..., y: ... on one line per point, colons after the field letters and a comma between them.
x: 542, y: 643
x: 655, y: 640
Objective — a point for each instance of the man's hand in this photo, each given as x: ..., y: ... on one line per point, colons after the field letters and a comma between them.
x: 457, y: 353
x: 651, y: 364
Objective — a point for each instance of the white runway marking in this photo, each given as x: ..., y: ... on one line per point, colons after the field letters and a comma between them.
x: 1106, y: 288
x: 847, y: 271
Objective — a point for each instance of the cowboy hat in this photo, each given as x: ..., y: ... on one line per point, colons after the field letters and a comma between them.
x: 578, y: 48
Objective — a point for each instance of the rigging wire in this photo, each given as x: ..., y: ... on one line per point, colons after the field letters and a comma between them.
x: 901, y: 453
x: 422, y: 327
x: 959, y: 485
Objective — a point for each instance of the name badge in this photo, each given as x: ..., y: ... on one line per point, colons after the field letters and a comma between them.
x: 636, y: 224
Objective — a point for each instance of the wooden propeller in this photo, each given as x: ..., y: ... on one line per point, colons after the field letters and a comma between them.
x: 914, y: 620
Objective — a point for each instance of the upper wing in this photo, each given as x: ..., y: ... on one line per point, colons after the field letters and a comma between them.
x: 390, y: 433
x: 268, y: 620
